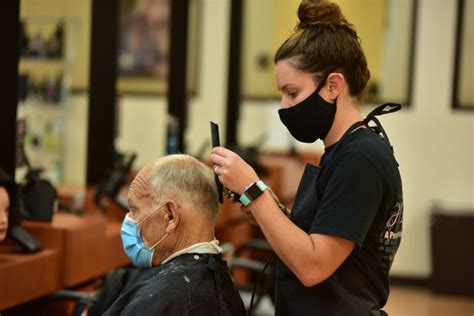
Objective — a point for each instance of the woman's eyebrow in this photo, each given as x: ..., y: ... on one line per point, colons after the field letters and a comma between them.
x: 285, y: 86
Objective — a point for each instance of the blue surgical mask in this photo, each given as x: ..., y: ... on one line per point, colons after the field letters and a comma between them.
x: 133, y: 244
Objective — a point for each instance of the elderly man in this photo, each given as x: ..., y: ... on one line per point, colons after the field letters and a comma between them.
x: 169, y: 232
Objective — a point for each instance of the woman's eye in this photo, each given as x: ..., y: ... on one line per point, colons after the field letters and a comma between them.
x: 292, y: 95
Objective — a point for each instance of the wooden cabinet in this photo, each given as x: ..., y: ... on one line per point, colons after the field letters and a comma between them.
x: 80, y: 243
x: 24, y: 277
x: 87, y: 246
x: 78, y: 249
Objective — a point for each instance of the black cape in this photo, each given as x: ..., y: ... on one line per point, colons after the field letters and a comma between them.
x: 191, y: 284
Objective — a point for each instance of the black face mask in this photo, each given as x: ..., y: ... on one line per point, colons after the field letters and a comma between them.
x: 311, y: 119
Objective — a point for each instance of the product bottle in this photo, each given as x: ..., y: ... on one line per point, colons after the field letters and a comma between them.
x: 172, y: 135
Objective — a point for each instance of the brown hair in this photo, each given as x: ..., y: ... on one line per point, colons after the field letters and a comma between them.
x: 323, y: 42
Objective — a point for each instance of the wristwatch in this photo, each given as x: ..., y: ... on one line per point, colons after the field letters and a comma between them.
x: 252, y: 192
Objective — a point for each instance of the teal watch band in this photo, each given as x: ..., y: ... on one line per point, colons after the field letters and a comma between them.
x: 245, y: 200
x: 252, y: 192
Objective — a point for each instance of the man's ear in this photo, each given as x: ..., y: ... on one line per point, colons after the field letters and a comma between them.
x: 336, y: 83
x: 172, y: 210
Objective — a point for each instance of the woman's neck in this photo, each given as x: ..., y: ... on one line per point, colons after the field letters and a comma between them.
x: 347, y: 114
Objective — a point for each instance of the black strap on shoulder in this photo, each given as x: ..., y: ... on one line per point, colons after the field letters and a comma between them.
x: 381, y: 110
x: 384, y: 109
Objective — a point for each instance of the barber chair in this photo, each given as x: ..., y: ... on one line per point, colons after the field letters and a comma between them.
x: 261, y: 269
x: 116, y: 178
x: 95, y: 303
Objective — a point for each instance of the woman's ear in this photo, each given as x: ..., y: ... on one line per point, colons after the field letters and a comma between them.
x: 173, y: 215
x: 336, y: 83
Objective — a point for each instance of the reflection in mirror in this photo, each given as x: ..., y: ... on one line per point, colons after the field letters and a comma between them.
x: 463, y: 92
x: 143, y: 67
x: 386, y: 29
x: 144, y: 123
x: 143, y: 46
x: 53, y: 60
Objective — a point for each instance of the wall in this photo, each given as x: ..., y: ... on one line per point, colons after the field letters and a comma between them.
x: 435, y: 145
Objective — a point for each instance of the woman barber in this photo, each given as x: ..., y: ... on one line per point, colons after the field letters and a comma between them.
x: 336, y: 247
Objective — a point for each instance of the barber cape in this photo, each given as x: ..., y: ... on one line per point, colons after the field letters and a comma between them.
x: 193, y: 281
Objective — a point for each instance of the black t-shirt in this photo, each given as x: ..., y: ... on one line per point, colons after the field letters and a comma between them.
x: 356, y: 195
x: 191, y: 284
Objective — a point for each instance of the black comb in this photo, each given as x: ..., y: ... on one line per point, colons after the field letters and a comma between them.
x: 216, y: 143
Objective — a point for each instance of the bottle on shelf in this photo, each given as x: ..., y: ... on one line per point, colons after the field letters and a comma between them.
x: 172, y: 135
x: 23, y: 84
x: 56, y: 42
x: 36, y: 46
x: 24, y: 40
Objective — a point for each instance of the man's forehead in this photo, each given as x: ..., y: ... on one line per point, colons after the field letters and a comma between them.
x: 139, y: 188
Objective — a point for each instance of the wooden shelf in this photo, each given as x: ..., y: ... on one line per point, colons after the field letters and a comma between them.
x: 88, y: 246
x: 41, y: 67
x: 25, y: 277
x: 78, y: 249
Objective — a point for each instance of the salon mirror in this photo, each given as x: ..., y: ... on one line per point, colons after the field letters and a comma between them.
x: 463, y: 94
x: 386, y: 29
x: 52, y: 111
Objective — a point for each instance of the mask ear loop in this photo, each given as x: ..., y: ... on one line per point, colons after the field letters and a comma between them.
x: 156, y: 244
x: 323, y: 83
x: 149, y: 214
x: 159, y: 241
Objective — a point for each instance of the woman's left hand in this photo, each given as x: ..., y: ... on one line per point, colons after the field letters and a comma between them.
x: 234, y: 173
x: 248, y: 212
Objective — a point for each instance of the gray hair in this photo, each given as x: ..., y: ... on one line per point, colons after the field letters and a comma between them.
x: 187, y: 180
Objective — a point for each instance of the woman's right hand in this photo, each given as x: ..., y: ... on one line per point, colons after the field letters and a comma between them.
x: 233, y: 172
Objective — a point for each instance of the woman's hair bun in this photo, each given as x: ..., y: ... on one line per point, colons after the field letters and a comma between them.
x: 320, y: 13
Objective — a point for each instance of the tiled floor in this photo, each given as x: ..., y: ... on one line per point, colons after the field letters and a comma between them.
x: 404, y: 301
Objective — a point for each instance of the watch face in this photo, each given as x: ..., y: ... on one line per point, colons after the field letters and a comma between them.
x: 253, y: 191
